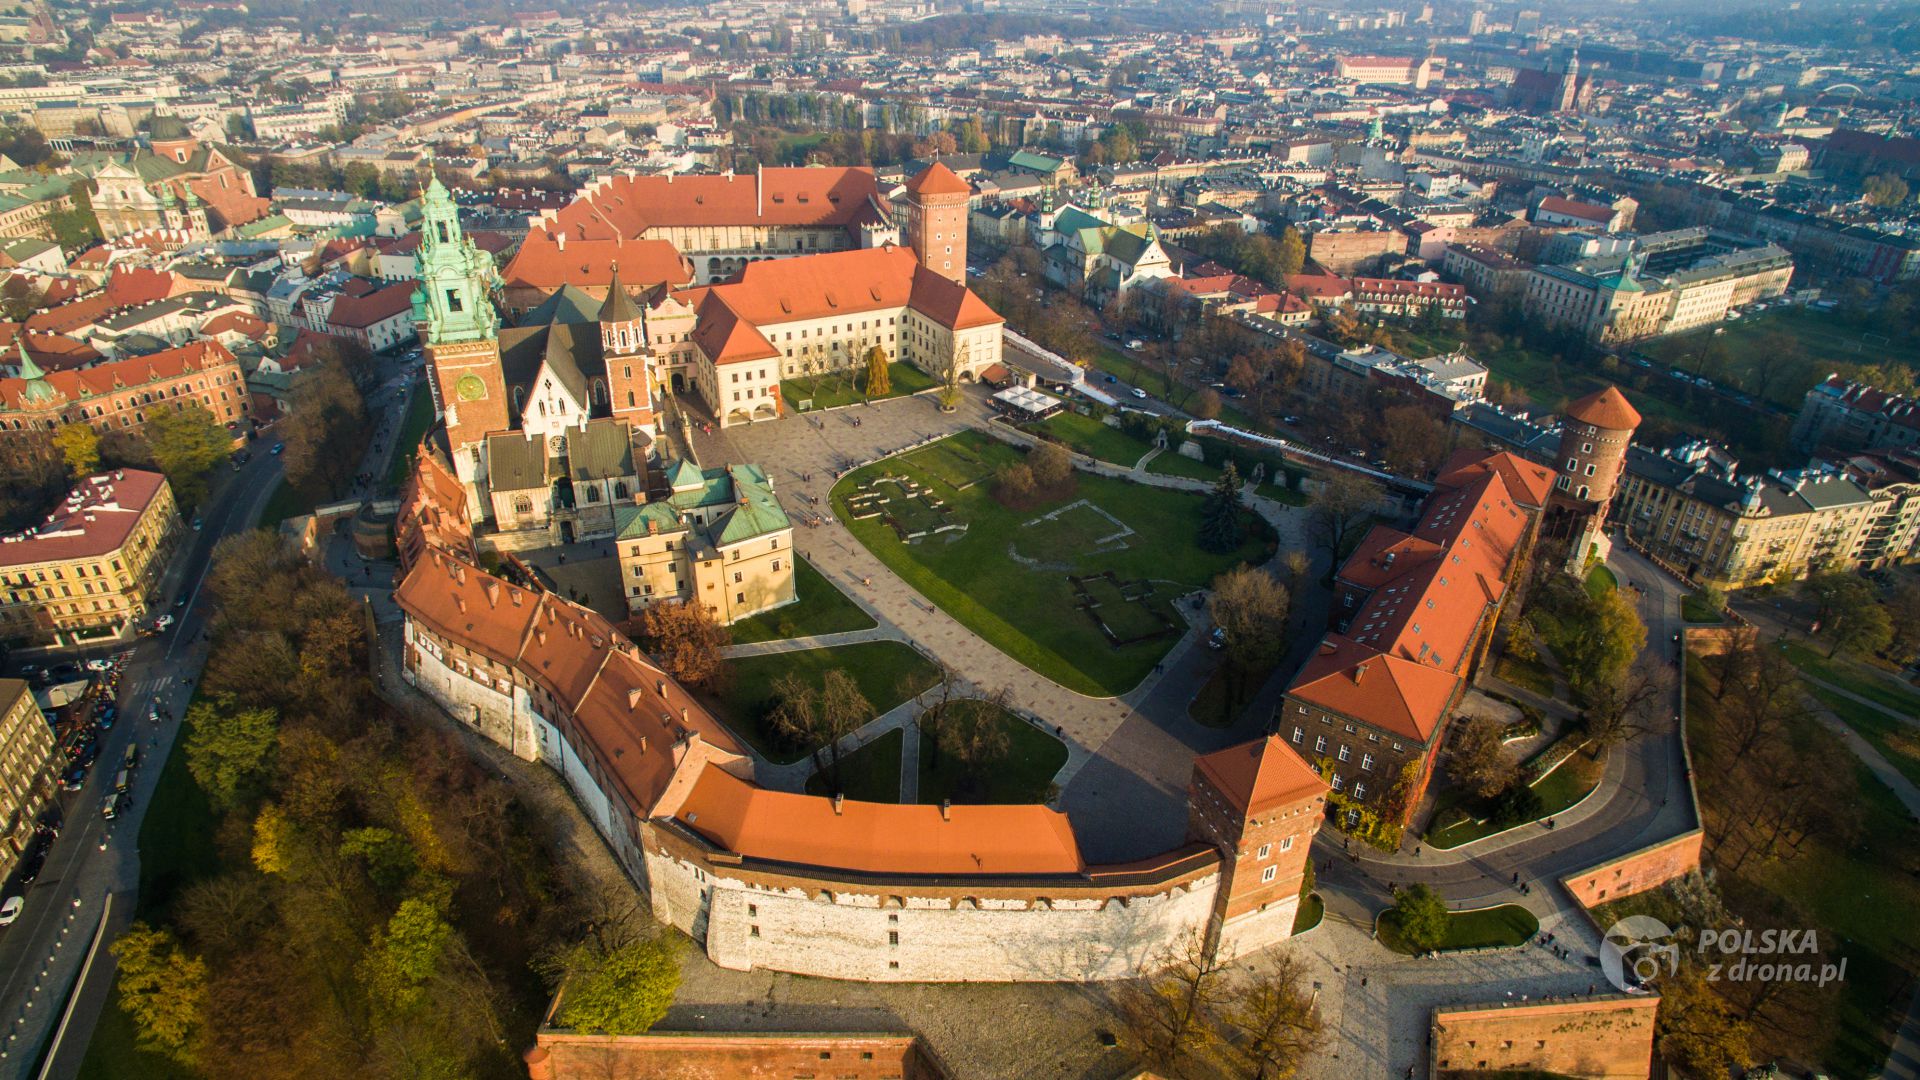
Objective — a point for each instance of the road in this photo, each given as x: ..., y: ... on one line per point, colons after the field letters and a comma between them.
x: 44, y: 952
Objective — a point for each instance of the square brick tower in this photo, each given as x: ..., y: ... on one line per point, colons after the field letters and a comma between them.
x: 937, y: 221
x: 625, y: 344
x: 1260, y: 804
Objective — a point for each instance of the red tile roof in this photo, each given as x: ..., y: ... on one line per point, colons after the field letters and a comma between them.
x: 1258, y: 776
x: 132, y: 286
x: 1554, y: 204
x: 95, y: 519
x: 361, y: 312
x: 76, y: 385
x: 1390, y: 693
x: 627, y: 206
x: 878, y: 838
x: 1608, y: 408
x: 542, y: 263
x: 937, y: 179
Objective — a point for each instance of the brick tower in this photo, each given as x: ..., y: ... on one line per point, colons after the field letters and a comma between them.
x: 629, y: 357
x: 1595, y: 432
x: 1260, y: 804
x: 454, y: 308
x: 937, y: 221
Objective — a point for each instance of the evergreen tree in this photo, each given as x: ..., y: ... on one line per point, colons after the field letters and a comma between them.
x: 1220, y: 528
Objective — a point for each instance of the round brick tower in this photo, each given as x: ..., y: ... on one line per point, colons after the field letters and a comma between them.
x: 1594, y: 434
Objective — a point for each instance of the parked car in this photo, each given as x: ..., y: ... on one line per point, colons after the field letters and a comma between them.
x: 196, y: 523
x: 1217, y: 639
x: 278, y: 448
x: 73, y: 778
x: 1135, y: 343
x: 10, y: 910
x: 100, y: 663
x: 162, y: 621
x: 110, y: 807
x: 1112, y: 379
x: 1139, y: 393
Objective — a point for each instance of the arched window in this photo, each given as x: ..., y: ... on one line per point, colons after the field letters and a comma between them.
x: 593, y: 494
x: 619, y: 489
x: 519, y: 399
x: 599, y: 391
x: 629, y: 399
x: 543, y: 407
x: 522, y: 504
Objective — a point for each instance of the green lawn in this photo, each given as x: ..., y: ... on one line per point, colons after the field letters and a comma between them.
x: 1311, y: 910
x: 406, y: 445
x: 1694, y: 608
x: 1860, y: 895
x: 869, y: 774
x: 1571, y: 781
x: 821, y: 609
x: 1171, y: 463
x: 1085, y: 435
x: 1897, y: 742
x: 1284, y: 496
x: 1530, y: 674
x: 1023, y: 776
x: 1827, y: 338
x: 878, y: 666
x: 1222, y: 697
x: 176, y: 849
x: 1600, y: 581
x: 1029, y: 612
x: 1854, y: 679
x: 1505, y: 926
x: 835, y: 388
x: 286, y: 501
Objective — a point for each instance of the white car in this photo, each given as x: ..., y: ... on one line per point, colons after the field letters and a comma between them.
x: 162, y: 622
x: 1139, y: 393
x: 10, y: 910
x: 100, y: 663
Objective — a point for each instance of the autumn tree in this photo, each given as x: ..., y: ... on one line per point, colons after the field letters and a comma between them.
x: 1602, y: 634
x: 186, y: 444
x: 1695, y: 1031
x: 1884, y: 189
x: 1620, y: 708
x: 1421, y: 918
x: 1249, y: 605
x: 162, y: 988
x: 1221, y: 529
x: 1052, y: 468
x: 1273, y: 1019
x: 622, y: 989
x: 1480, y: 761
x: 1342, y: 507
x: 1207, y: 405
x: 228, y: 747
x: 1171, y: 1013
x: 1903, y: 608
x: 879, y: 377
x: 80, y: 445
x: 682, y: 636
x: 325, y: 432
x: 1014, y: 485
x: 1415, y: 441
x: 1520, y: 643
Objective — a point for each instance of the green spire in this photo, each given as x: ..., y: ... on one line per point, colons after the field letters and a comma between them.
x: 38, y: 389
x: 455, y: 276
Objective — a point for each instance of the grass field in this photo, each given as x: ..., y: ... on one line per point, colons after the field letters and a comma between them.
x: 176, y: 850
x: 956, y: 466
x: 1694, y: 608
x: 1067, y: 535
x: 1573, y: 780
x: 1023, y: 776
x: 879, y: 667
x: 1504, y: 926
x: 1531, y: 674
x: 1170, y: 463
x: 1860, y: 895
x: 285, y: 502
x: 1085, y: 435
x: 821, y: 609
x: 1311, y: 910
x: 1027, y: 613
x: 869, y: 774
x: 406, y: 445
x: 1854, y: 678
x: 1897, y: 742
x: 844, y: 387
x: 1600, y: 581
x: 1827, y: 338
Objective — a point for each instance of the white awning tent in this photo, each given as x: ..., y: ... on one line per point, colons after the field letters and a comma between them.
x: 1031, y: 404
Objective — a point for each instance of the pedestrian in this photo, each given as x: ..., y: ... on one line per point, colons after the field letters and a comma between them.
x: 1363, y: 981
x: 1516, y: 877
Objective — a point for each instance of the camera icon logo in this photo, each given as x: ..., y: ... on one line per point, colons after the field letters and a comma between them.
x: 1636, y: 951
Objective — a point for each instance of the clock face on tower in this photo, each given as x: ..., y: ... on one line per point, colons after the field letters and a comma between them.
x: 470, y: 388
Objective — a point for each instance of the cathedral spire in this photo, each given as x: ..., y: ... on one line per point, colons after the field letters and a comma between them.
x: 456, y: 277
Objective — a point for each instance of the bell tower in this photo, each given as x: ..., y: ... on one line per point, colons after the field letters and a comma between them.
x: 937, y: 221
x: 1260, y: 804
x: 628, y: 350
x: 454, y: 308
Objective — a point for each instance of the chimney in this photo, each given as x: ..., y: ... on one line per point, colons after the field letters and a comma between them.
x: 1359, y: 670
x: 643, y: 744
x: 683, y: 714
x: 946, y: 809
x: 837, y: 800
x: 633, y: 697
x: 491, y: 587
x: 560, y: 239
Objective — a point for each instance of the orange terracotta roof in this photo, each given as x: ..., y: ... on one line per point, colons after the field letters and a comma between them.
x: 82, y: 383
x: 1608, y: 409
x: 878, y: 838
x: 937, y: 179
x: 52, y: 352
x: 627, y: 206
x: 1529, y: 482
x: 1384, y: 554
x: 1388, y: 692
x: 542, y: 263
x: 1260, y: 775
x: 376, y: 306
x: 724, y: 336
x: 70, y: 317
x: 132, y: 286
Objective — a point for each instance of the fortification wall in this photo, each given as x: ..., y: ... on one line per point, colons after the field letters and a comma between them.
x: 1595, y: 1038
x: 1636, y: 871
x: 1068, y: 930
x: 489, y: 710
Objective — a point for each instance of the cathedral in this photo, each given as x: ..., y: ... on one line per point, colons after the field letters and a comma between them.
x: 552, y: 425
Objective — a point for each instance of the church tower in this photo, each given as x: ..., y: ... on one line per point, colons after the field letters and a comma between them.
x: 1595, y: 433
x: 454, y: 308
x: 1569, y: 91
x: 1260, y: 805
x: 628, y: 350
x: 937, y: 221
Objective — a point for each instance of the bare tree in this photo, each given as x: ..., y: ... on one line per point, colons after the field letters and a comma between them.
x: 1341, y: 508
x: 1172, y: 1013
x: 1480, y: 761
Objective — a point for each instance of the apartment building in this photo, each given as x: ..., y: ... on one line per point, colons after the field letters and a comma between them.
x: 27, y: 769
x: 93, y: 570
x: 1848, y: 415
